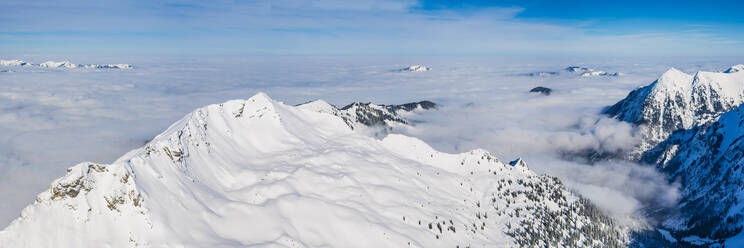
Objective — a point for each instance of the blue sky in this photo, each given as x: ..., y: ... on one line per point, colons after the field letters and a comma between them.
x: 364, y: 27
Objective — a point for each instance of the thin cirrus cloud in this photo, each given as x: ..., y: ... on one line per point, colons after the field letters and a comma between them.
x: 338, y: 28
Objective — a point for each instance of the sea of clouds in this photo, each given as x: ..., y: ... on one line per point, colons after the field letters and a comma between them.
x: 54, y: 118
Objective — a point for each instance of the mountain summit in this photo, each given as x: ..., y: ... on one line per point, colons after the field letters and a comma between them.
x: 677, y: 100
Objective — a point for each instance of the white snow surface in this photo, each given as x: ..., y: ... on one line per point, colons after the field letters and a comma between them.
x: 257, y: 172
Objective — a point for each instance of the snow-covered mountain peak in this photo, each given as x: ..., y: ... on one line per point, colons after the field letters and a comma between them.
x: 257, y: 172
x: 13, y: 62
x: 674, y: 78
x: 589, y: 72
x: 58, y: 64
x: 678, y: 100
x: 733, y: 69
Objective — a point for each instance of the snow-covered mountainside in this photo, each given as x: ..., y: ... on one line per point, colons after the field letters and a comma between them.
x: 415, y: 68
x: 257, y: 172
x: 362, y: 115
x: 708, y: 161
x: 64, y: 64
x: 679, y: 101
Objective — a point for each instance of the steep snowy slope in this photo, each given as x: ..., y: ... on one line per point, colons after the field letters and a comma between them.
x: 708, y: 160
x: 679, y: 101
x: 257, y: 172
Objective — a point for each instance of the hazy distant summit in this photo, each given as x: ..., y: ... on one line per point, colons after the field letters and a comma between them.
x: 63, y: 64
x: 415, y: 68
x: 574, y: 70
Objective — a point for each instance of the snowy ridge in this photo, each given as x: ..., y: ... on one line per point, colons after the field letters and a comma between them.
x: 708, y: 160
x: 64, y: 64
x: 257, y: 172
x: 360, y: 115
x: 67, y: 64
x: 679, y: 101
x: 13, y: 62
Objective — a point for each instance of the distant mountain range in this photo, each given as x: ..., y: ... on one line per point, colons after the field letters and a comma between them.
x: 574, y: 70
x: 63, y: 64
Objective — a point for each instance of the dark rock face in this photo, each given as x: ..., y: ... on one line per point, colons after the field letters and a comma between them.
x: 542, y: 90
